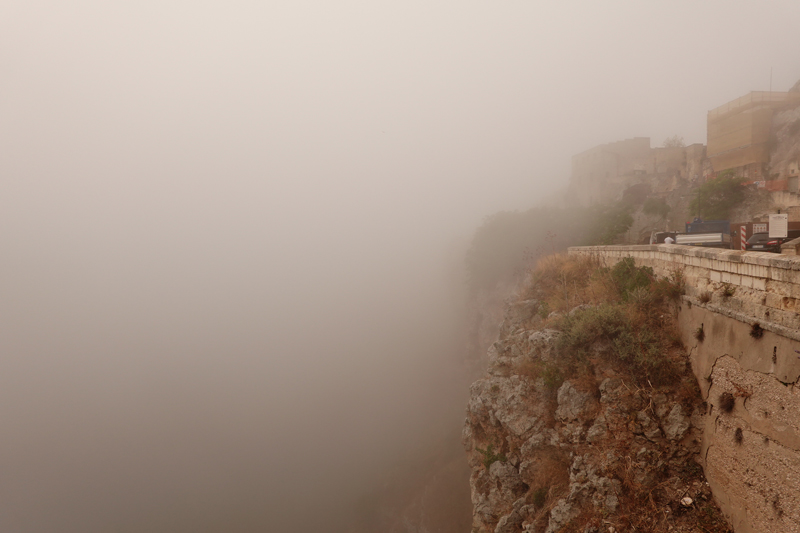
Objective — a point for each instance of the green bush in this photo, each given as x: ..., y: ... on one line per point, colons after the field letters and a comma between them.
x: 584, y: 328
x: 716, y: 198
x: 540, y: 497
x: 608, y: 222
x: 490, y: 456
x: 552, y: 377
x: 635, y: 341
x: 630, y: 329
x: 628, y: 277
x: 544, y: 310
x: 656, y: 206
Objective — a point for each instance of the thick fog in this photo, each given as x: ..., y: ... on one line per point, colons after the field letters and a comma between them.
x: 232, y: 232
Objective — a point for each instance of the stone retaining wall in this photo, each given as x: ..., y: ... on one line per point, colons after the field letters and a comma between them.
x: 748, y: 286
x: 751, y: 448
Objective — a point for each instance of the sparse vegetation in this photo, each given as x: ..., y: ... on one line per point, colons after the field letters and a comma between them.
x: 676, y: 141
x: 621, y: 322
x: 507, y: 242
x: 756, y: 331
x: 608, y: 222
x: 738, y: 436
x: 728, y: 290
x: 490, y: 456
x: 628, y: 320
x: 716, y: 198
x: 544, y: 310
x: 550, y: 481
x: 727, y: 402
x: 551, y: 375
x: 656, y: 207
x: 539, y: 496
x: 704, y: 297
x: 700, y: 333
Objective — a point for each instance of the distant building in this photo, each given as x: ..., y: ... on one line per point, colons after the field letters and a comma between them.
x: 756, y: 136
x: 602, y: 174
x: 739, y: 133
x: 598, y: 173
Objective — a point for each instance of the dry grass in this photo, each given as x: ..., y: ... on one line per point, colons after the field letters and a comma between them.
x: 564, y: 282
x: 630, y: 326
x: 628, y: 321
x: 550, y: 482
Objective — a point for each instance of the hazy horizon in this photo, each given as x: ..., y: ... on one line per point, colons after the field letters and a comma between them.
x: 231, y: 277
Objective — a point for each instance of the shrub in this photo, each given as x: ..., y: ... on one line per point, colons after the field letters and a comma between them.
x: 628, y: 321
x: 628, y: 277
x: 704, y: 297
x: 552, y: 377
x: 728, y: 290
x: 700, y: 333
x: 727, y: 402
x: 608, y: 222
x: 756, y: 331
x: 669, y: 288
x: 548, y: 372
x: 656, y: 206
x: 544, y: 310
x: 490, y: 456
x: 635, y: 341
x: 716, y: 198
x: 583, y: 329
x: 539, y: 496
x: 676, y: 141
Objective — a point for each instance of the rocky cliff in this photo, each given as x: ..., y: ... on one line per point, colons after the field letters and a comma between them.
x: 571, y: 429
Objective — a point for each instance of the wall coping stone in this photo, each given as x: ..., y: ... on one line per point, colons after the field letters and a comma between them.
x: 786, y: 262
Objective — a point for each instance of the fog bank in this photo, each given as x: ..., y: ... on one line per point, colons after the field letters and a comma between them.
x: 232, y: 234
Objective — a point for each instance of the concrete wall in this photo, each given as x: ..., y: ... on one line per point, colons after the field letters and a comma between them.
x: 752, y: 453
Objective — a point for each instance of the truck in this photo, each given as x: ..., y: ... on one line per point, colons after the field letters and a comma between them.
x: 708, y: 226
x: 711, y: 234
x: 708, y: 233
x: 709, y: 240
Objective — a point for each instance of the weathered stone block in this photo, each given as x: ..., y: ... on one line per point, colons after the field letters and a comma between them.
x: 779, y: 287
x: 773, y: 300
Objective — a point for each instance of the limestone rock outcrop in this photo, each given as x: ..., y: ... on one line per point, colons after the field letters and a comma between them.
x: 586, y: 453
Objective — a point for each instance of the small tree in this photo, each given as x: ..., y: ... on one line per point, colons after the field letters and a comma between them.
x: 608, y: 222
x: 716, y: 198
x: 657, y: 207
x: 676, y: 141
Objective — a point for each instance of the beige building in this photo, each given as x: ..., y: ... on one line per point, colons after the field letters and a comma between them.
x: 601, y: 174
x: 739, y: 132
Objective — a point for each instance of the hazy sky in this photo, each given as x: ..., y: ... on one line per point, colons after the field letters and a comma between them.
x: 228, y: 229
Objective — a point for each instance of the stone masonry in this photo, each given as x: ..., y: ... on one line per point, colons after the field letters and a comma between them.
x: 740, y: 320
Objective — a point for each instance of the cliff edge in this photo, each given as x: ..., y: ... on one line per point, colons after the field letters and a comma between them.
x: 589, y: 418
